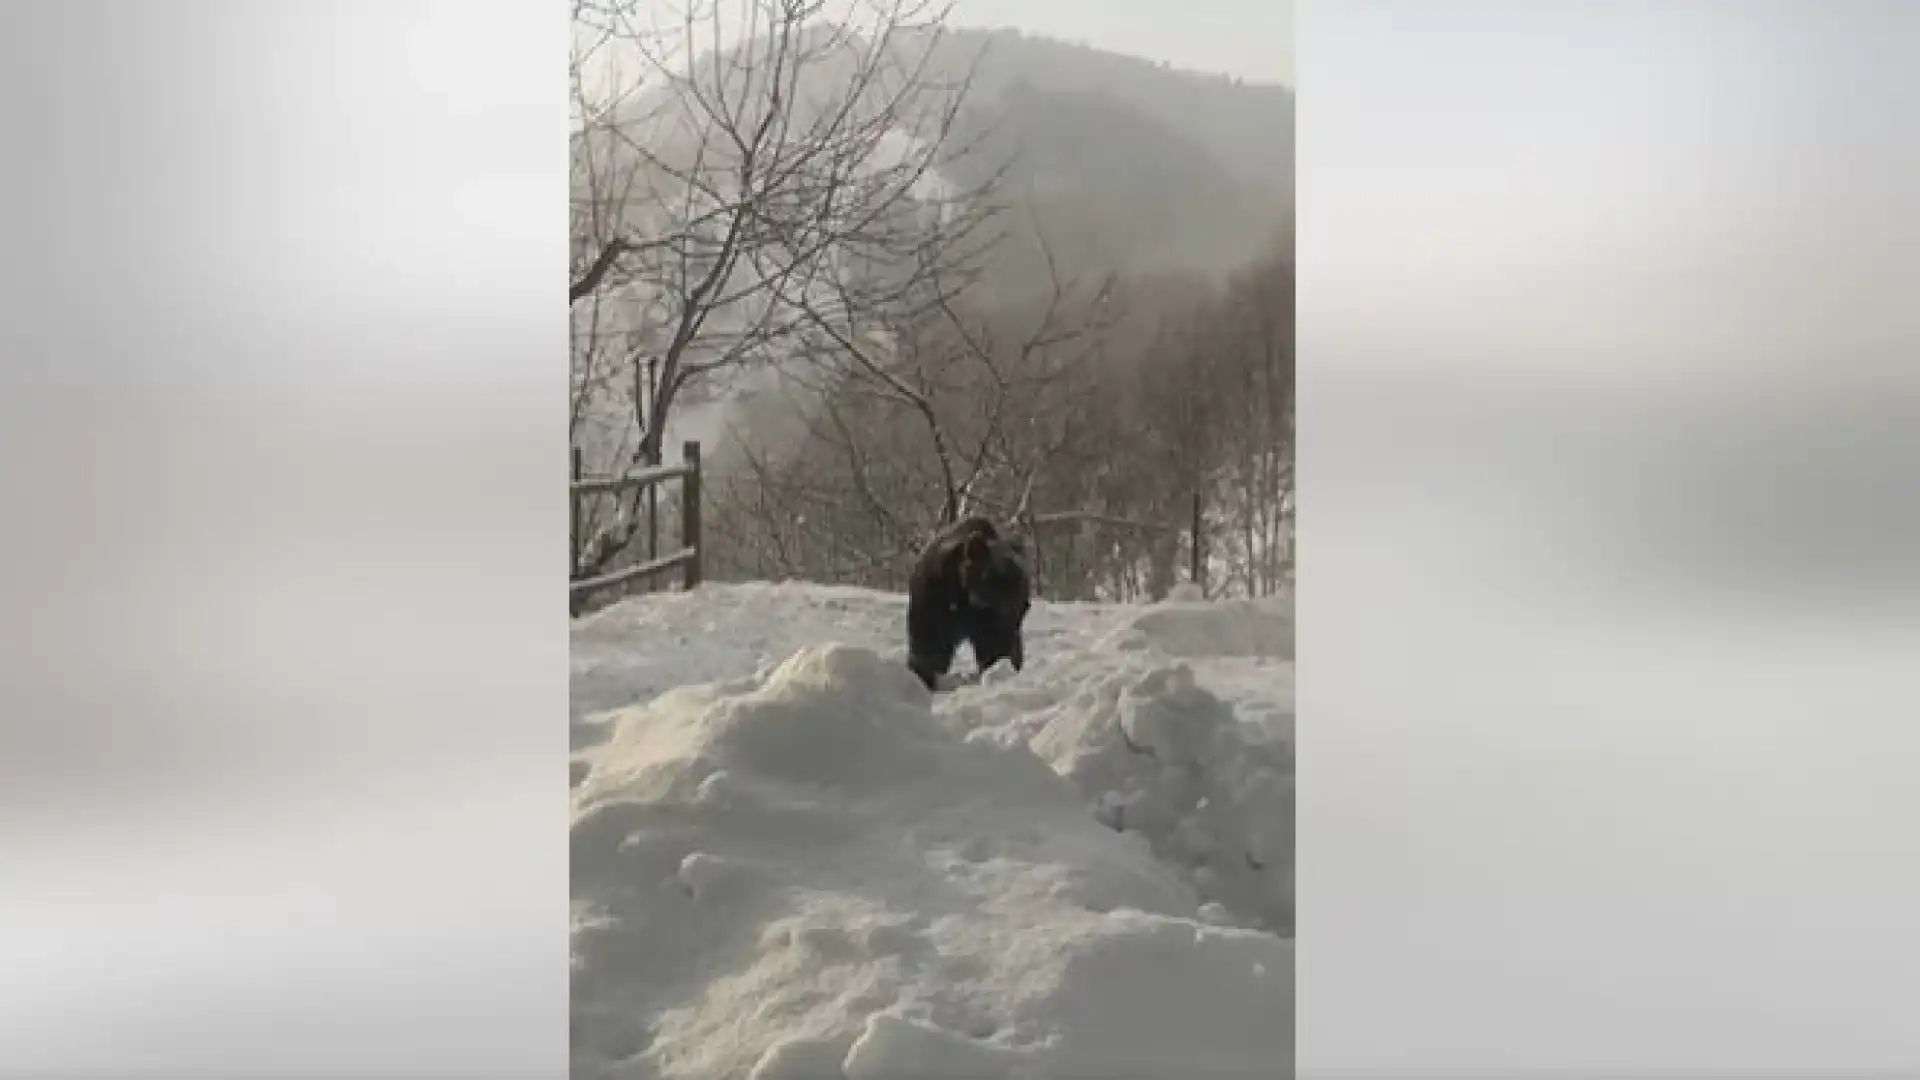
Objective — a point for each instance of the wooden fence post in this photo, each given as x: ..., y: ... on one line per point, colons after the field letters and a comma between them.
x: 573, y: 533
x: 1198, y: 569
x: 573, y: 520
x: 656, y: 458
x: 690, y: 510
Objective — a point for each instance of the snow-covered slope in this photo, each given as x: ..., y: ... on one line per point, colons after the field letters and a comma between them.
x: 790, y: 861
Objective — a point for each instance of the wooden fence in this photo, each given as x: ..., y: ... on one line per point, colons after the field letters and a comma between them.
x: 690, y: 556
x: 687, y: 471
x: 1195, y: 532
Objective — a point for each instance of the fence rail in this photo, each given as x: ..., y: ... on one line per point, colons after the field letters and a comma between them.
x: 1195, y: 531
x: 647, y: 477
x: 687, y: 559
x: 683, y: 557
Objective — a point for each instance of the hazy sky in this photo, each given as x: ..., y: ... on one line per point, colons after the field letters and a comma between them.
x: 1252, y: 39
x: 1249, y: 38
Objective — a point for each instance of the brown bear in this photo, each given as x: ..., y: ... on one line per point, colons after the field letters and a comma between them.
x: 970, y: 584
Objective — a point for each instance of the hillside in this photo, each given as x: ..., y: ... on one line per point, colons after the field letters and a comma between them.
x: 1242, y: 129
x: 789, y: 862
x: 1126, y: 163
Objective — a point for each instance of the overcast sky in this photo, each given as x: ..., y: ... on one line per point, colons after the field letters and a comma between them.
x: 1249, y: 38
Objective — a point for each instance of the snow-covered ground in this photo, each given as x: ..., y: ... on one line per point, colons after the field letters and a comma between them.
x: 790, y: 861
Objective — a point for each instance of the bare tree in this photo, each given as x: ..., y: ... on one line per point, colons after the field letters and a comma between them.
x: 951, y: 409
x: 908, y: 362
x: 1197, y: 402
x: 745, y: 173
x: 1216, y: 404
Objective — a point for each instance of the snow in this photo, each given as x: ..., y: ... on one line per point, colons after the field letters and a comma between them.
x: 792, y: 862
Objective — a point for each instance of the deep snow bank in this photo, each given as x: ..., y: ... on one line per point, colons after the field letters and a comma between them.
x: 806, y: 868
x: 1155, y: 755
x: 1198, y: 629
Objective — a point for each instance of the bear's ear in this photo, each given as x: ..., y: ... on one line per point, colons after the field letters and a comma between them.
x: 1016, y: 548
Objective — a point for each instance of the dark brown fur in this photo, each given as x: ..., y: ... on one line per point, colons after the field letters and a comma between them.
x: 967, y: 586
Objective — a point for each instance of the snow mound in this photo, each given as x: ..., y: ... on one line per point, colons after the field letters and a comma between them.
x: 1157, y: 755
x: 807, y: 872
x: 1231, y: 628
x: 648, y: 645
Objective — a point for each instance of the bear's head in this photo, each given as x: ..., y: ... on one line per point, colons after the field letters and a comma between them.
x: 994, y: 574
